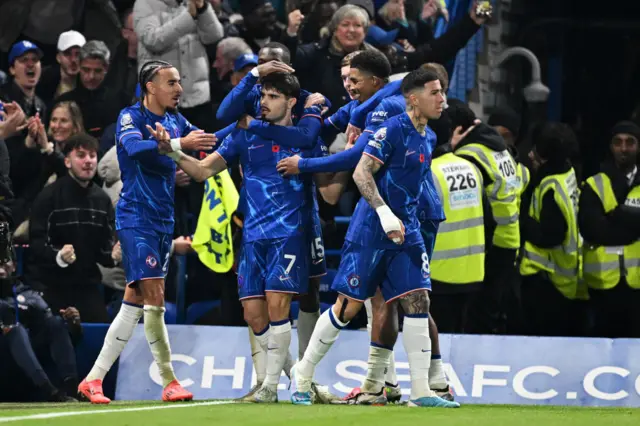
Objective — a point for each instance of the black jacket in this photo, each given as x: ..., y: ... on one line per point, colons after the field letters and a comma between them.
x: 550, y: 231
x: 67, y: 213
x: 99, y: 107
x: 445, y: 47
x: 617, y: 228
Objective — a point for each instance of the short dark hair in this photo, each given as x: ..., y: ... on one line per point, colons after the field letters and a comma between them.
x: 459, y: 114
x: 80, y: 141
x: 555, y: 141
x: 373, y: 62
x: 286, y: 54
x: 440, y: 71
x: 285, y: 83
x: 416, y: 80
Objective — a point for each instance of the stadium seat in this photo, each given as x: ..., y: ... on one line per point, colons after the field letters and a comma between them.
x: 196, y: 310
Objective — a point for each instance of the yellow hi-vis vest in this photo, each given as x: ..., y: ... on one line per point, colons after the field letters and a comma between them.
x: 562, y: 263
x: 602, y: 265
x: 502, y: 192
x: 458, y: 256
x: 524, y: 176
x: 213, y: 239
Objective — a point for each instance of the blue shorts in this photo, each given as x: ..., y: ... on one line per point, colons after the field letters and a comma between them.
x: 278, y: 265
x: 429, y: 231
x: 317, y: 261
x: 145, y: 253
x: 397, y: 272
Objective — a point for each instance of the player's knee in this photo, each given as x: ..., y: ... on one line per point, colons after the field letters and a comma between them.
x: 256, y: 321
x: 278, y: 306
x: 153, y: 292
x: 346, y: 309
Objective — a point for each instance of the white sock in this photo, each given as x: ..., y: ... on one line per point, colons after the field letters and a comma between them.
x: 119, y: 333
x: 158, y: 338
x: 391, y: 377
x: 306, y: 323
x: 326, y: 332
x: 417, y: 344
x: 378, y: 364
x: 277, y: 351
x: 437, y: 378
x: 259, y: 357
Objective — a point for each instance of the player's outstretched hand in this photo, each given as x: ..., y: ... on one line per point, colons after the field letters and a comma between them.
x: 198, y: 140
x: 314, y: 99
x: 353, y: 133
x: 273, y: 66
x: 289, y: 166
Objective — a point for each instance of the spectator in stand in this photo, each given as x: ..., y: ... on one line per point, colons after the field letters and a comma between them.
x: 243, y: 66
x: 63, y: 77
x: 123, y: 71
x: 99, y: 105
x: 316, y: 16
x: 228, y: 50
x: 25, y: 69
x: 260, y: 26
x: 11, y: 122
x: 71, y: 229
x: 46, y: 163
x: 177, y: 32
x: 318, y: 64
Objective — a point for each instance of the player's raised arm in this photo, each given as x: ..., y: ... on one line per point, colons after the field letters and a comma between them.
x: 200, y: 170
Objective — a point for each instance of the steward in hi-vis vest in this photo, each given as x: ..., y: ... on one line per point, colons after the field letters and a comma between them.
x: 552, y: 291
x: 609, y: 221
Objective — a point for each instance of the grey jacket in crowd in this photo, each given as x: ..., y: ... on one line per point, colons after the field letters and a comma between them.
x: 166, y: 31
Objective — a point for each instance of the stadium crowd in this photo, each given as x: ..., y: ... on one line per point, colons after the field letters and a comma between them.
x: 539, y: 255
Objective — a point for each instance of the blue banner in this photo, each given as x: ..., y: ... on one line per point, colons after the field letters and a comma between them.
x: 215, y: 363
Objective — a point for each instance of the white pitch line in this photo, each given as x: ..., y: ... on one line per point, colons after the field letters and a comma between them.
x: 112, y: 410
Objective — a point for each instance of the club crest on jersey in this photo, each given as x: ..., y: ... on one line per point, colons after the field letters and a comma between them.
x: 126, y: 122
x: 151, y: 262
x: 353, y: 280
x: 381, y: 134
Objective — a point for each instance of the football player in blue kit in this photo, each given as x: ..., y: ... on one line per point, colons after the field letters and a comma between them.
x: 274, y: 263
x: 243, y: 104
x: 144, y: 222
x: 384, y: 249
